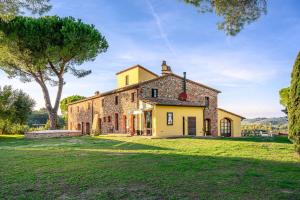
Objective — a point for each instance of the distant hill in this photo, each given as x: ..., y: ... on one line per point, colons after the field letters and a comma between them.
x: 266, y: 121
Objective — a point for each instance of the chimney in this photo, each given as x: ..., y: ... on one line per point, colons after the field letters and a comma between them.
x: 184, y: 82
x: 183, y: 95
x: 97, y: 93
x: 165, y: 69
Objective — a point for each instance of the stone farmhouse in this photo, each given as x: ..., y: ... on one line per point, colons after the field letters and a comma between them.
x: 145, y: 103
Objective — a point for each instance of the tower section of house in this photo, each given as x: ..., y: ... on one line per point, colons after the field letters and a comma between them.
x: 134, y: 75
x: 145, y: 103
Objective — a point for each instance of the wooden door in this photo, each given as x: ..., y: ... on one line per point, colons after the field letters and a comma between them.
x: 132, y: 124
x: 88, y: 128
x: 124, y: 124
x: 100, y: 125
x: 192, y: 125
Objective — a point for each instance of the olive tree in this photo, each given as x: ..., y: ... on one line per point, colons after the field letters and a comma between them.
x: 45, y: 49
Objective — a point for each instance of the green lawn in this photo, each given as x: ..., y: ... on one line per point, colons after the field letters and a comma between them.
x: 138, y: 168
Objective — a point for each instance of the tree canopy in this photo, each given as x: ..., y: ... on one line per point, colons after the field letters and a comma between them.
x: 235, y: 13
x: 15, y: 105
x: 11, y: 8
x: 44, y: 49
x: 294, y: 105
x: 284, y: 95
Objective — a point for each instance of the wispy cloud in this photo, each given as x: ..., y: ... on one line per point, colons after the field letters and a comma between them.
x: 161, y: 30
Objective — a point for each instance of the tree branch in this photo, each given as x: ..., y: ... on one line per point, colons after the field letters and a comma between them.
x: 53, y: 68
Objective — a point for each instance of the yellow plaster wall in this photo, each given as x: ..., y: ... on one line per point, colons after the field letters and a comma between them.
x: 159, y: 117
x: 145, y: 76
x: 135, y: 75
x: 235, y: 120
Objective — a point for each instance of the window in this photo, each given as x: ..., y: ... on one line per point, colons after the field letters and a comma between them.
x: 207, y: 102
x: 102, y: 102
x: 126, y: 80
x: 108, y: 119
x: 169, y: 118
x: 207, y: 126
x: 154, y: 93
x: 148, y: 119
x: 132, y: 97
x: 116, y: 100
x: 116, y: 121
x: 226, y: 127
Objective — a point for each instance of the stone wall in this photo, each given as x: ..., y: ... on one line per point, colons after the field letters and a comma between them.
x: 52, y: 134
x: 81, y: 113
x: 124, y: 108
x: 169, y: 87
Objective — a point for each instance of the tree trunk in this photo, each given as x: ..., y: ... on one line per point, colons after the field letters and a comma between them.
x: 52, y: 120
x: 52, y: 110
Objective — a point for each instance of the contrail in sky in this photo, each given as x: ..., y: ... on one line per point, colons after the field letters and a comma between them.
x: 162, y: 32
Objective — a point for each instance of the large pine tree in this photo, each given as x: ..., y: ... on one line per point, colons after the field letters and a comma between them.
x: 294, y: 106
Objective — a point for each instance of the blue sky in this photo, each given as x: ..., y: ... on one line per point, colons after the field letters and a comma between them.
x: 249, y: 68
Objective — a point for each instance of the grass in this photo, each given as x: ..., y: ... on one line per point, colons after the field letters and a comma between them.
x: 137, y: 168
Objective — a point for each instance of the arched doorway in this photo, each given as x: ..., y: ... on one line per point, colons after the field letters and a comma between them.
x: 226, y: 127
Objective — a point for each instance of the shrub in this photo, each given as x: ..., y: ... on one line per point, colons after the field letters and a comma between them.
x: 6, y: 127
x: 19, y: 129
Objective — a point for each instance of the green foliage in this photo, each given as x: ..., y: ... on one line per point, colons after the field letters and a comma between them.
x: 38, y: 118
x: 8, y: 127
x: 15, y: 105
x: 61, y: 123
x: 35, y: 47
x: 294, y: 105
x: 284, y: 96
x: 44, y: 49
x: 64, y: 103
x: 256, y: 129
x: 15, y: 108
x: 235, y: 13
x: 11, y: 8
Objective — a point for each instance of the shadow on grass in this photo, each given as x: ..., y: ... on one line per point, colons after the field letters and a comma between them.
x: 85, y: 142
x: 274, y: 139
x: 103, y: 143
